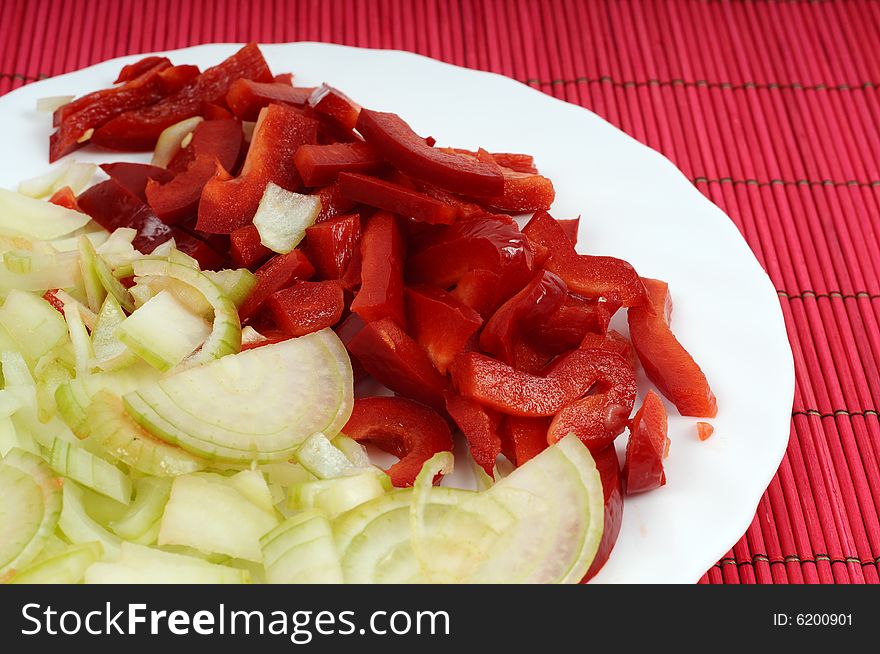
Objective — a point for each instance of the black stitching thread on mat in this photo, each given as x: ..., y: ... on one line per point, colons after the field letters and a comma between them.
x: 787, y: 182
x: 836, y: 413
x: 807, y: 293
x: 23, y: 77
x: 794, y: 558
x: 702, y: 84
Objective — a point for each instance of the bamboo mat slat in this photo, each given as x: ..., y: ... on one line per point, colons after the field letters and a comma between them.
x: 770, y: 107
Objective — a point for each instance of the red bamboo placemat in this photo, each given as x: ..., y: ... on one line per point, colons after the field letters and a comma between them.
x: 771, y: 108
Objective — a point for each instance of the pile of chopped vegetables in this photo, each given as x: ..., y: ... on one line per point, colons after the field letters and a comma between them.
x: 185, y: 345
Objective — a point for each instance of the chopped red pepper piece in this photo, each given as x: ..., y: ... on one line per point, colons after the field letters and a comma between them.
x: 280, y: 131
x: 599, y: 418
x: 480, y: 427
x: 331, y: 244
x: 333, y: 203
x: 704, y: 430
x: 139, y: 129
x: 523, y: 192
x: 612, y: 341
x: 408, y: 151
x: 246, y: 247
x: 279, y: 272
x: 210, y: 256
x: 307, y: 307
x: 612, y: 485
x: 440, y: 323
x: 643, y: 469
x: 521, y: 163
x: 94, y: 111
x: 213, y: 111
x: 222, y: 140
x: 505, y: 389
x: 530, y: 358
x: 576, y: 319
x: 319, y: 165
x: 396, y: 199
x: 396, y: 360
x: 382, y: 255
x: 479, y: 290
x: 408, y: 430
x: 571, y: 227
x: 590, y: 276
x: 176, y: 77
x: 665, y: 360
x: 540, y: 298
x: 271, y: 336
x: 283, y: 78
x: 523, y: 438
x: 65, y: 197
x: 130, y: 71
x: 246, y: 97
x: 134, y: 176
x: 331, y: 102
x: 112, y: 206
x: 178, y: 200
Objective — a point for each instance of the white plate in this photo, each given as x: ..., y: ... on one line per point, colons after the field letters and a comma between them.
x: 635, y: 205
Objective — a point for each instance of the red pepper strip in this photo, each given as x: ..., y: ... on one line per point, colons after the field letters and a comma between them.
x: 573, y: 321
x: 246, y: 97
x: 134, y: 176
x: 396, y: 360
x: 523, y: 192
x: 351, y: 278
x: 465, y: 209
x: 571, y: 227
x: 279, y: 272
x: 280, y: 131
x: 307, y: 307
x: 112, y: 206
x: 65, y: 197
x: 178, y: 200
x: 643, y: 469
x: 480, y: 427
x: 521, y: 163
x: 347, y: 330
x: 412, y: 432
x: 319, y: 165
x: 272, y: 337
x: 612, y: 485
x: 440, y: 323
x: 175, y: 78
x: 246, y: 247
x: 479, y: 290
x: 540, y: 299
x: 523, y: 438
x: 209, y: 256
x: 704, y: 430
x: 396, y: 199
x: 331, y: 102
x: 613, y: 342
x: 590, y: 276
x: 383, y: 252
x: 665, y: 360
x: 331, y: 244
x: 501, y: 387
x: 212, y: 111
x: 283, y: 78
x: 476, y: 244
x: 599, y: 418
x: 408, y: 151
x: 139, y: 129
x: 130, y: 71
x: 97, y: 109
x: 527, y: 357
x: 333, y: 203
x: 222, y: 140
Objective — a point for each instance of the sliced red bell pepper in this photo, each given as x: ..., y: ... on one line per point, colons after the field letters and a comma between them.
x: 139, y: 129
x: 408, y: 151
x: 590, y: 276
x: 646, y: 448
x: 246, y: 247
x: 279, y: 272
x: 523, y: 192
x: 396, y: 199
x: 540, y: 299
x: 465, y: 208
x: 529, y: 357
x: 440, y: 324
x: 396, y: 360
x: 704, y: 430
x: 283, y: 78
x: 479, y: 290
x: 572, y: 322
x: 210, y: 256
x: 213, y: 111
x: 134, y: 176
x: 347, y: 330
x: 612, y: 341
x: 382, y: 254
x: 112, y: 206
x: 319, y: 165
x: 332, y: 243
x: 272, y: 336
x: 571, y: 228
x: 333, y: 203
x: 480, y: 427
x: 176, y: 77
x: 331, y: 102
x: 351, y: 278
x: 612, y: 486
x: 665, y: 360
x: 599, y: 418
x: 130, y: 71
x: 95, y: 110
x: 503, y: 388
x: 246, y: 97
x: 523, y: 438
x: 178, y: 200
x: 280, y: 131
x: 408, y: 430
x: 65, y: 197
x: 307, y: 307
x: 222, y: 140
x: 521, y: 163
